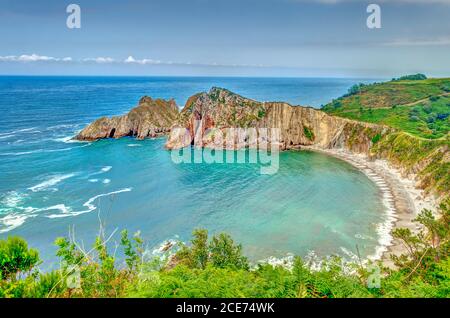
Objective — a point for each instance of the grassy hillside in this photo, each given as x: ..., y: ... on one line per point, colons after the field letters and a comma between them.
x: 418, y: 107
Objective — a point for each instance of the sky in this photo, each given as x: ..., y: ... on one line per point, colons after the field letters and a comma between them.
x: 301, y: 38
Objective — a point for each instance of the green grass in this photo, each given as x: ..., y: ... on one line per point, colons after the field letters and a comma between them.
x: 419, y: 107
x: 390, y: 94
x: 429, y: 119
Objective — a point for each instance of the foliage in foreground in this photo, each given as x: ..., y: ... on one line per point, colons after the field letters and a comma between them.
x: 215, y: 267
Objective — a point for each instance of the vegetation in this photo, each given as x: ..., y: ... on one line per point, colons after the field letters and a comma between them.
x: 215, y: 267
x: 410, y: 103
x: 414, y: 77
x: 428, y: 159
x: 308, y: 133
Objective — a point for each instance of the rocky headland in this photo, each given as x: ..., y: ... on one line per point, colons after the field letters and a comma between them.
x: 151, y: 118
x: 220, y: 109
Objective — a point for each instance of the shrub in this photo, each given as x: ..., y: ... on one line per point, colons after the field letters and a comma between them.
x: 414, y: 77
x: 16, y: 258
x: 308, y: 133
x: 442, y: 116
x: 434, y: 98
x: 427, y: 109
x: 376, y: 138
x: 225, y: 254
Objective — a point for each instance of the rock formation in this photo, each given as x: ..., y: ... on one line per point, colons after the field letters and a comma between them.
x: 151, y: 118
x: 220, y: 109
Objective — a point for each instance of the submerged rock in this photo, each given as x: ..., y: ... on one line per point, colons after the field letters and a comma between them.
x: 151, y: 118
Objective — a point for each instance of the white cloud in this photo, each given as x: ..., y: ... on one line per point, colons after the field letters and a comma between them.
x: 100, y: 60
x: 33, y: 58
x: 131, y: 59
x: 108, y: 60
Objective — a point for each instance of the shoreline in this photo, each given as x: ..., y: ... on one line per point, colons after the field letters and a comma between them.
x: 403, y: 201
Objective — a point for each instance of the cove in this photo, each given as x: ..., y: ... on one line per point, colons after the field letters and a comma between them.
x: 314, y: 204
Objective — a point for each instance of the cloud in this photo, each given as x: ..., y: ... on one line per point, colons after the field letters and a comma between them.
x: 109, y: 60
x: 33, y: 58
x: 100, y: 60
x: 131, y: 59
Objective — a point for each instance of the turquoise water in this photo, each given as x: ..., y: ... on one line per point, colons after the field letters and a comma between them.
x: 49, y: 184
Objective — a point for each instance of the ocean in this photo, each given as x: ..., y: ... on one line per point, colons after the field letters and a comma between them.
x: 50, y: 185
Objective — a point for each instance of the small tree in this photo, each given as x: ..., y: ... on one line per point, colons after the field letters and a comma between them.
x: 199, y: 250
x: 16, y: 258
x: 225, y: 254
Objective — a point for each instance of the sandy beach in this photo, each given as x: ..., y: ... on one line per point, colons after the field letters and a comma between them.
x: 402, y: 199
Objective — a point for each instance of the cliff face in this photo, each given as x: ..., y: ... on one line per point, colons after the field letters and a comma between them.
x: 151, y: 118
x: 219, y: 109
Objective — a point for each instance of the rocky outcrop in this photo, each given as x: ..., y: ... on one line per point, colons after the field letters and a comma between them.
x: 207, y: 114
x: 151, y: 118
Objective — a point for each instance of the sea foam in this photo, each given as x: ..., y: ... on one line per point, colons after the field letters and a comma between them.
x: 89, y: 205
x: 51, y: 182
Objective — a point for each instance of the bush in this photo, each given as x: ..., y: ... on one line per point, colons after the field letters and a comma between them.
x: 376, y: 138
x: 308, y: 133
x: 434, y: 98
x: 414, y: 77
x: 16, y: 258
x: 427, y: 109
x: 355, y: 89
x: 221, y: 252
x: 442, y: 116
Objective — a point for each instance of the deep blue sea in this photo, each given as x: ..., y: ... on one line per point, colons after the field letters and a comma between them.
x: 49, y: 184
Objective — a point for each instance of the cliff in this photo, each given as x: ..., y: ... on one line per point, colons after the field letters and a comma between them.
x: 220, y: 109
x: 151, y: 118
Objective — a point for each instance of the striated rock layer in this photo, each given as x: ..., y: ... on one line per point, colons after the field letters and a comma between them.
x: 207, y: 113
x: 151, y: 118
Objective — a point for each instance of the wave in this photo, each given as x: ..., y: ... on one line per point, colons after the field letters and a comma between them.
x: 363, y: 236
x: 18, y: 131
x: 40, y: 151
x: 12, y: 221
x: 352, y: 256
x: 106, y: 181
x: 62, y: 126
x: 384, y: 228
x: 88, y: 204
x: 11, y: 199
x: 286, y: 262
x: 6, y: 136
x: 166, y: 247
x: 51, y: 182
x: 134, y: 145
x: 10, y: 203
x: 68, y: 140
x: 101, y: 171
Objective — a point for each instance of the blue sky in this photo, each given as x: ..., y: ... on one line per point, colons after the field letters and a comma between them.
x: 231, y: 38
